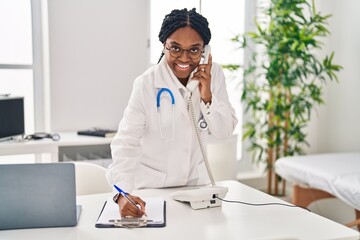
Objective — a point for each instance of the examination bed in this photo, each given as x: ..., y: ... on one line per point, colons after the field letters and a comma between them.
x: 323, y: 176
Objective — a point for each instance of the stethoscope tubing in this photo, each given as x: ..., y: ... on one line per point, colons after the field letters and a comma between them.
x: 202, y: 123
x: 159, y: 95
x: 173, y: 113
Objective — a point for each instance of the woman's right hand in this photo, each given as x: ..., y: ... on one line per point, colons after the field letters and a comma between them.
x: 126, y: 208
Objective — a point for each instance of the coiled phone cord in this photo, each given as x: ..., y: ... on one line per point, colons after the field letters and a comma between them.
x: 203, y: 152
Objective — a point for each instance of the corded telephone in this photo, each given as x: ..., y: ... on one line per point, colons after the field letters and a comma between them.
x: 192, y: 85
x: 206, y: 196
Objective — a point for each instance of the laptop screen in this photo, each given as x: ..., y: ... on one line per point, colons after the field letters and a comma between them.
x: 37, y: 195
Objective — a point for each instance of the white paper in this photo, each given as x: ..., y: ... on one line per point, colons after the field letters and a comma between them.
x: 154, y: 210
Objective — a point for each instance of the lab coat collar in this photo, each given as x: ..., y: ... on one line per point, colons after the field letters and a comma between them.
x: 163, y: 75
x: 165, y: 78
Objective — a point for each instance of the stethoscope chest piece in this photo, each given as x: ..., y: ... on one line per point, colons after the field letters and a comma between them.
x: 203, y: 124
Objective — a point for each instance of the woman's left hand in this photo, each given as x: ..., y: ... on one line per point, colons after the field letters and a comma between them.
x: 203, y: 74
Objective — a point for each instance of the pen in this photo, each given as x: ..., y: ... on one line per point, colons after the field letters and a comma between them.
x: 126, y: 196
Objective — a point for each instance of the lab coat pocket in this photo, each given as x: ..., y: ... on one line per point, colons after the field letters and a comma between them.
x: 166, y: 120
x: 148, y: 177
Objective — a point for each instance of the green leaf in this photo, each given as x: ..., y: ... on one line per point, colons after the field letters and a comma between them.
x: 283, y: 80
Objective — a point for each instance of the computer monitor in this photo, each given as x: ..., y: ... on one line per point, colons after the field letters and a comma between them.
x: 11, y: 117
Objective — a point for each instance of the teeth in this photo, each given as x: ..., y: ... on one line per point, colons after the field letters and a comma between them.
x: 183, y: 66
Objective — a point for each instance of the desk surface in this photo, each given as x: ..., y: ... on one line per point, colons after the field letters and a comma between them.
x: 66, y: 139
x: 47, y: 145
x: 231, y: 221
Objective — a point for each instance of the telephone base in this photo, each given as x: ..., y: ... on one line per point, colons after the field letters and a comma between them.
x: 200, y: 198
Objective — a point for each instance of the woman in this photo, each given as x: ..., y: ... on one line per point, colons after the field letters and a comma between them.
x: 156, y: 144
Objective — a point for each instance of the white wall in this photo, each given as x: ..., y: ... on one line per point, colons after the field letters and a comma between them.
x: 92, y: 46
x: 96, y: 49
x: 336, y: 125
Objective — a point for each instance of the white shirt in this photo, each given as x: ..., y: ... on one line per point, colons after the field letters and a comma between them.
x: 145, y: 158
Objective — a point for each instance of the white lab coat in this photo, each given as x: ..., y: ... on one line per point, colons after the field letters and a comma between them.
x: 141, y: 157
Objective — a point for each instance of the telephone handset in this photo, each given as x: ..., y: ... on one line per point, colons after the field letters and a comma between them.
x: 205, y: 54
x: 192, y: 85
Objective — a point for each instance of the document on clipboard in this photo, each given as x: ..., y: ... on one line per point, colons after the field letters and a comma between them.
x: 155, y: 210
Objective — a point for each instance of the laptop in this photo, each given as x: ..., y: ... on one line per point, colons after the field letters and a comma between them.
x: 38, y: 195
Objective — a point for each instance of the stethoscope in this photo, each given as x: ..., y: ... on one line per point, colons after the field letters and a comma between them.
x: 202, y: 123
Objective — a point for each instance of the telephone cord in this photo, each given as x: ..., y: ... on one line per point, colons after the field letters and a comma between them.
x: 203, y: 152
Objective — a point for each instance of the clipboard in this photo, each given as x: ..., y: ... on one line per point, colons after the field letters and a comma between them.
x: 155, y: 210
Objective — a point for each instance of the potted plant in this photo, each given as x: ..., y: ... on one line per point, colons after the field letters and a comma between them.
x: 284, y: 79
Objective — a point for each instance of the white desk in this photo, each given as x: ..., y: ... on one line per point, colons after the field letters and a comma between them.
x: 46, y: 145
x: 231, y: 221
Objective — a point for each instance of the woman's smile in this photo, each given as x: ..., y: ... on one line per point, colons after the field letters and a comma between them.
x: 183, y: 67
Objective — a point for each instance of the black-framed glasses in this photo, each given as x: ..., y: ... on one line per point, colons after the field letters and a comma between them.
x: 176, y: 51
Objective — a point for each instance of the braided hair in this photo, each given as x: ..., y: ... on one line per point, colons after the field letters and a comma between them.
x: 182, y: 18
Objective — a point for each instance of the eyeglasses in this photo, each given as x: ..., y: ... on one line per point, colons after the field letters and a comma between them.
x: 176, y: 51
